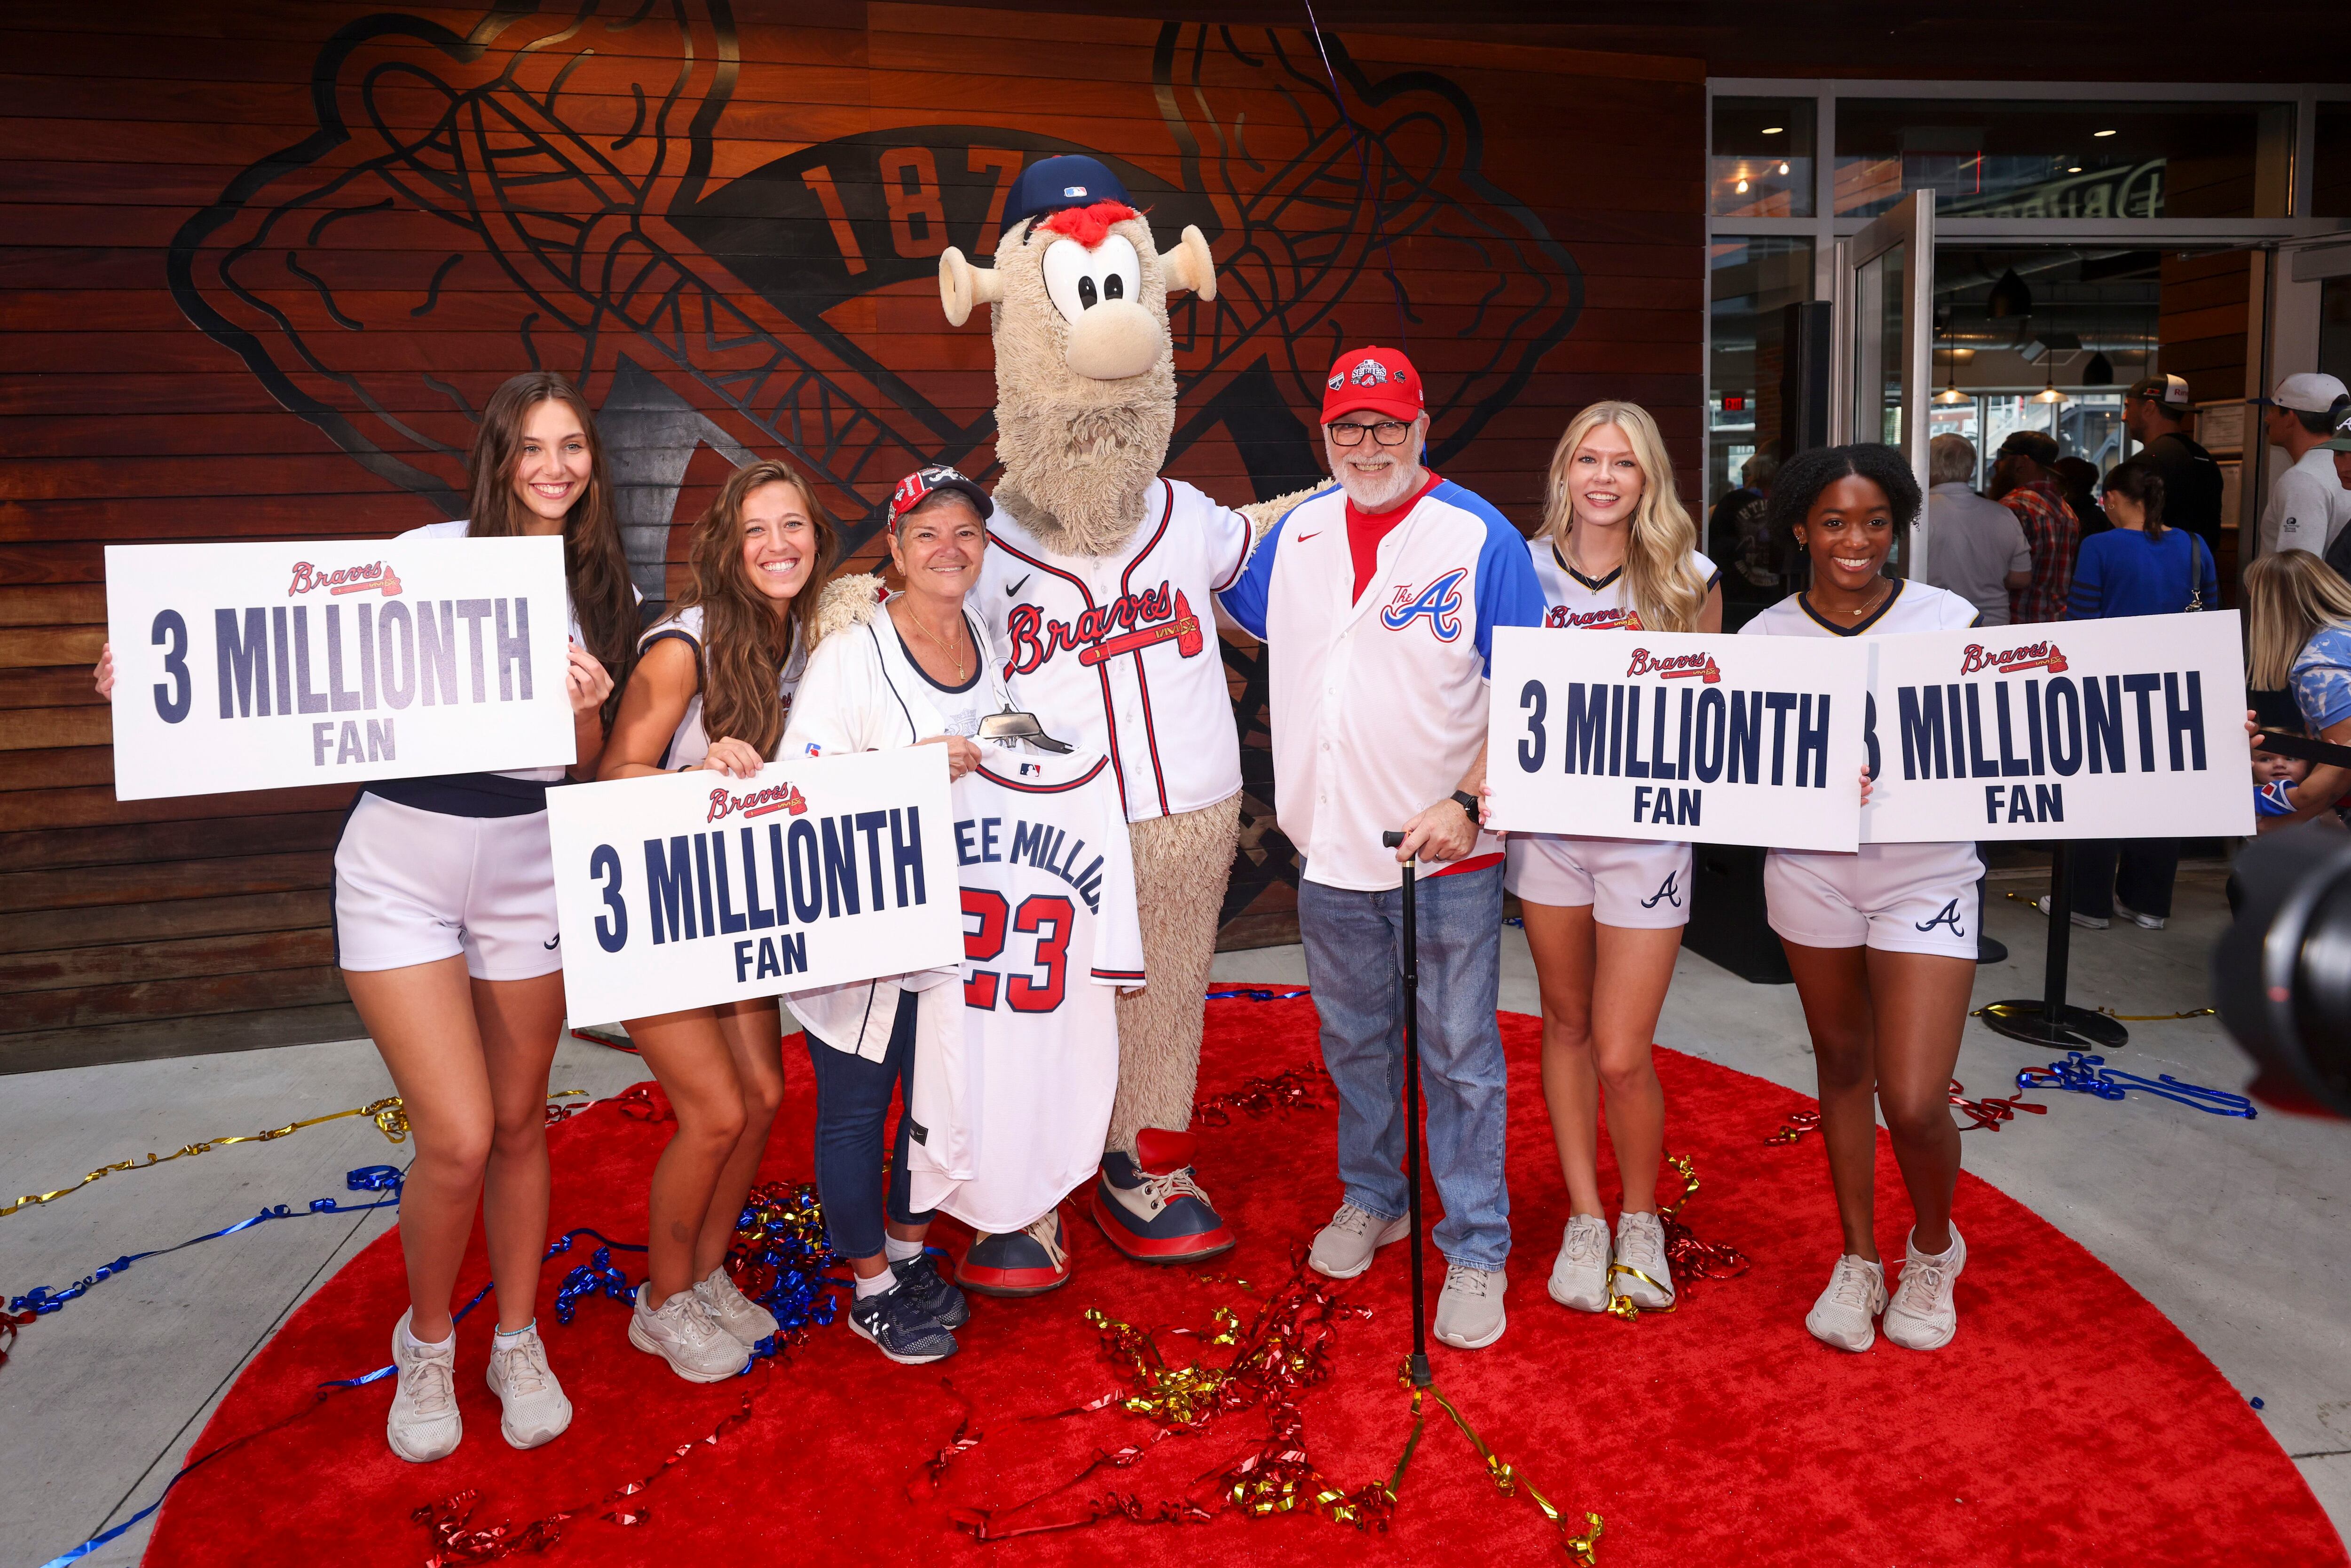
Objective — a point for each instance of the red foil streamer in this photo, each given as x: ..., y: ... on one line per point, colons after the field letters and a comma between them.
x: 1991, y: 1112
x: 1283, y: 1095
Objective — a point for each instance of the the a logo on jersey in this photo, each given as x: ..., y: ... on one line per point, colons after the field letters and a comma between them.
x: 759, y: 802
x: 1440, y: 601
x: 1127, y: 624
x: 1668, y: 891
x: 368, y: 579
x: 1947, y: 916
x: 1975, y: 658
x: 1675, y: 666
x: 1559, y: 616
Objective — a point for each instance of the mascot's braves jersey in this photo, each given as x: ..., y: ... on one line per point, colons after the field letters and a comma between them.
x: 1012, y: 1089
x: 1117, y: 654
x: 1379, y: 703
x: 1580, y: 603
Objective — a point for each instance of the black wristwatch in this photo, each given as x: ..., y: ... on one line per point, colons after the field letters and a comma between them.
x: 1469, y: 802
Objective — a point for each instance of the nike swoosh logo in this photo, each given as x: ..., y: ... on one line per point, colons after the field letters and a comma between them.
x: 1315, y: 535
x: 1012, y: 588
x: 551, y: 942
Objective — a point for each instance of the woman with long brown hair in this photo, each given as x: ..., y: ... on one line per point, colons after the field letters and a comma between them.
x: 1618, y: 553
x: 445, y: 932
x: 709, y: 691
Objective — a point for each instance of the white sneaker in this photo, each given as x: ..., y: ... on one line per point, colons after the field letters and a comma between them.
x: 1579, y: 1278
x: 1641, y: 1246
x: 536, y: 1410
x: 1842, y: 1315
x: 1469, y: 1313
x: 737, y: 1313
x: 1923, y: 1316
x: 423, y: 1425
x: 684, y: 1332
x: 1343, y: 1248
x: 2144, y: 922
x: 2086, y: 922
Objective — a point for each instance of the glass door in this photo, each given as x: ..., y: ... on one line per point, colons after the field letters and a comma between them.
x: 1883, y: 290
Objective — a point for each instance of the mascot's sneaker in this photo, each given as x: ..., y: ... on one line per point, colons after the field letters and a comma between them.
x: 1922, y: 1316
x: 1150, y: 1206
x: 1641, y: 1262
x: 737, y: 1313
x: 919, y: 1277
x: 1343, y: 1248
x: 1579, y: 1276
x: 1469, y: 1313
x: 535, y: 1409
x: 423, y: 1425
x: 1842, y: 1315
x: 1025, y: 1262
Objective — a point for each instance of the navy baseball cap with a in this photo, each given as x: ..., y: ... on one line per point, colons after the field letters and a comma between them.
x: 1049, y: 184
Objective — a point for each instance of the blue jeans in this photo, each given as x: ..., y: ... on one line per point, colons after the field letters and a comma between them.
x: 1353, y: 961
x: 852, y: 1101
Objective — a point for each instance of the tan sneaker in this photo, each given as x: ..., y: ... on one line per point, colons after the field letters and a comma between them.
x: 1343, y: 1248
x: 1922, y: 1316
x: 684, y: 1332
x: 1579, y: 1276
x: 1640, y: 1267
x: 423, y: 1425
x: 1844, y: 1314
x: 737, y: 1313
x: 1470, y: 1309
x: 536, y: 1410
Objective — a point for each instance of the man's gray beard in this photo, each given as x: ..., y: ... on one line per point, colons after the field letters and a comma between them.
x: 1400, y: 483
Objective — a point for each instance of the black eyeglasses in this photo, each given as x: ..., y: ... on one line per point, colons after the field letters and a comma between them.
x: 1387, y: 432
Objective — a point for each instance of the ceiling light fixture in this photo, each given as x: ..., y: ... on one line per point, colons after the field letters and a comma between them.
x: 1783, y: 168
x: 2099, y: 371
x: 1773, y: 130
x: 2009, y: 296
x: 2074, y: 170
x: 2102, y: 133
x: 1741, y: 187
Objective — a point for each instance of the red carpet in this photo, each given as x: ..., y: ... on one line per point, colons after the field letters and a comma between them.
x: 2069, y: 1422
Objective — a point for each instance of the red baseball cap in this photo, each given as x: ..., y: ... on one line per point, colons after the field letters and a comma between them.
x: 1379, y: 381
x: 923, y: 483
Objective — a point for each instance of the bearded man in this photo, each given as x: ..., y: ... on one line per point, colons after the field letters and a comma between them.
x: 1377, y: 599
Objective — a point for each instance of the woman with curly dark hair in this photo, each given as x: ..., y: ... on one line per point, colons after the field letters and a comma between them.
x: 1878, y: 939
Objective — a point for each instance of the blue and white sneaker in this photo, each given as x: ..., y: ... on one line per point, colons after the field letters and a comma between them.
x: 1152, y: 1208
x: 919, y: 1277
x: 900, y: 1328
x: 1025, y: 1262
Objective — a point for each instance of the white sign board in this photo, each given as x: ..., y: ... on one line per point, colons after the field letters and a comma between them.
x: 1729, y: 740
x: 2133, y: 727
x: 691, y: 889
x: 254, y: 666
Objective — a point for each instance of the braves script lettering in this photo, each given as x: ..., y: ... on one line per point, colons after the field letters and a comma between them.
x: 347, y: 579
x: 1035, y: 638
x: 1975, y: 658
x: 758, y: 803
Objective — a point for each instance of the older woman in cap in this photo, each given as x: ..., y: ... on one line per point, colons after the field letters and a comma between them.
x: 920, y: 673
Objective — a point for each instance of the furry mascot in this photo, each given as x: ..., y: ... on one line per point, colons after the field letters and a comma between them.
x: 1099, y: 589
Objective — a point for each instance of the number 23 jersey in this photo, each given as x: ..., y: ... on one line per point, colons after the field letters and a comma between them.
x: 1012, y: 1089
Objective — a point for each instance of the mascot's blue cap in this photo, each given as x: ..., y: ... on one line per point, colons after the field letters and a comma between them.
x: 1050, y: 185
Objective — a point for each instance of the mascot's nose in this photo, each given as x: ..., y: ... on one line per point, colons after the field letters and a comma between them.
x: 1116, y: 340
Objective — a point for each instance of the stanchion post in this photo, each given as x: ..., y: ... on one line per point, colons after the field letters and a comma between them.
x: 1418, y: 1368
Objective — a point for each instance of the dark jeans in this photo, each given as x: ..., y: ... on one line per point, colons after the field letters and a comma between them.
x: 853, y: 1102
x: 2147, y: 867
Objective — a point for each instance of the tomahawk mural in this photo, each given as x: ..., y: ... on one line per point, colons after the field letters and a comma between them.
x: 546, y: 190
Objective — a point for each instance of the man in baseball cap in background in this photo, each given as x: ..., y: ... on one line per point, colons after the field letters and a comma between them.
x: 2156, y: 412
x: 2308, y: 506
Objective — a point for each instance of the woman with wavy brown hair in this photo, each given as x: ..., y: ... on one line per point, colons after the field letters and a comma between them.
x: 711, y: 686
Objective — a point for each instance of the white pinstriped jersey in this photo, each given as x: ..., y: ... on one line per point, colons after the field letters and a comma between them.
x: 1572, y: 601
x: 1118, y: 655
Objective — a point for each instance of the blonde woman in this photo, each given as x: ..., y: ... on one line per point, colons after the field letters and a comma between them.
x: 2301, y: 613
x: 1618, y: 553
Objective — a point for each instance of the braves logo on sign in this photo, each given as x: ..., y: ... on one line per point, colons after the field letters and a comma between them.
x: 309, y: 579
x: 1440, y: 601
x: 759, y: 802
x: 1975, y: 659
x: 1677, y: 667
x: 1560, y: 617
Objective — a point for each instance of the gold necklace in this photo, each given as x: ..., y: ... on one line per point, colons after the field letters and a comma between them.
x: 962, y: 670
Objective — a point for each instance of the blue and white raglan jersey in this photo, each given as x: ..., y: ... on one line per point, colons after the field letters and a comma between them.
x: 1379, y: 702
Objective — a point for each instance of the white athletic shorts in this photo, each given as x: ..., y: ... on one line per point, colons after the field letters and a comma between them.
x: 1635, y: 883
x: 413, y: 887
x: 1896, y: 898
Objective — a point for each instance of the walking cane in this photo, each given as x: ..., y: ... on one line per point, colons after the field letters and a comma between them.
x: 1419, y: 1364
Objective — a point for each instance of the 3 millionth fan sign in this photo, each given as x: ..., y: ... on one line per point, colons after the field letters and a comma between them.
x: 1731, y: 740
x: 254, y: 666
x: 2131, y: 728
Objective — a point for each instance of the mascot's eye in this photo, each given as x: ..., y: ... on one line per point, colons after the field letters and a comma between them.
x: 1086, y: 296
x: 1113, y: 286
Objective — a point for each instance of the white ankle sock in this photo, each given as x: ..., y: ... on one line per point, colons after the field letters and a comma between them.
x: 876, y: 1284
x: 414, y: 1344
x: 899, y: 1251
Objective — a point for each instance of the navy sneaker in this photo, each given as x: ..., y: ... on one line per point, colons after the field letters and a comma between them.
x: 1150, y: 1206
x: 1025, y: 1262
x: 919, y: 1277
x: 900, y: 1329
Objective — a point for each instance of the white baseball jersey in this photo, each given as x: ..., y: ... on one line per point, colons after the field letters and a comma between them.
x: 1903, y: 898
x: 1012, y: 1089
x: 1117, y: 654
x: 1572, y: 601
x: 690, y: 744
x: 1379, y: 702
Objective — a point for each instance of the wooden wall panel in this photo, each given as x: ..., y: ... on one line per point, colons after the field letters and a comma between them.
x: 260, y: 263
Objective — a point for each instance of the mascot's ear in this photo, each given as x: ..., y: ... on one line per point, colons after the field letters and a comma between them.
x: 963, y: 285
x: 1189, y: 265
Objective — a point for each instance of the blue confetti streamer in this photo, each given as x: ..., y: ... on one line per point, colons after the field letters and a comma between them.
x: 2080, y: 1075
